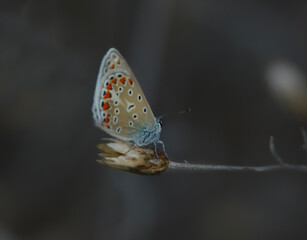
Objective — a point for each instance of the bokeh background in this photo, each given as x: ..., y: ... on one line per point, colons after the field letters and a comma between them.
x: 239, y: 65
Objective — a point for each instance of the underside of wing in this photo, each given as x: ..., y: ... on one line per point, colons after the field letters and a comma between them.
x: 120, y: 107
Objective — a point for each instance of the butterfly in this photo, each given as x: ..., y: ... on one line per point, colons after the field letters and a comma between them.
x: 120, y: 107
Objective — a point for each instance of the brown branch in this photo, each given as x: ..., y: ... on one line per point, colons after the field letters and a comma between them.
x: 123, y: 155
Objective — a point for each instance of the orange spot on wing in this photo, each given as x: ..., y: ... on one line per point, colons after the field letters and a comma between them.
x: 107, y: 126
x: 130, y: 81
x: 109, y: 87
x: 107, y: 95
x: 107, y: 120
x: 111, y: 66
x: 114, y: 80
x: 122, y: 80
x: 105, y: 106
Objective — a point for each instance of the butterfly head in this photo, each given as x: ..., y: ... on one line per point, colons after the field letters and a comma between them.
x: 148, y: 134
x: 160, y: 123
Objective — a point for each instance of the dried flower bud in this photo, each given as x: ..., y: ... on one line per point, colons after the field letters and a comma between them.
x: 122, y: 155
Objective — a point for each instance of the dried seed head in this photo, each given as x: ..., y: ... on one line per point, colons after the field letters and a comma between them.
x: 122, y: 155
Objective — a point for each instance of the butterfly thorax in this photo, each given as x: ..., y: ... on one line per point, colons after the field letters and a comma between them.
x: 148, y: 135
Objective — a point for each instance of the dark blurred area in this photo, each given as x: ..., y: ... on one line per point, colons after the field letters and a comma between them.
x: 239, y: 65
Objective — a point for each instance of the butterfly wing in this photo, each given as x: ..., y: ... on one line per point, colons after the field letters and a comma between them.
x: 120, y: 107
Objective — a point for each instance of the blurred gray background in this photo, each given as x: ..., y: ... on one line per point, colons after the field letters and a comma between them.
x: 239, y: 65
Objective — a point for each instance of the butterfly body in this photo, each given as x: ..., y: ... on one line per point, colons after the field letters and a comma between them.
x: 120, y: 107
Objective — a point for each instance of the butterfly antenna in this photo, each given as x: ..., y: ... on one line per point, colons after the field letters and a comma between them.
x: 175, y: 113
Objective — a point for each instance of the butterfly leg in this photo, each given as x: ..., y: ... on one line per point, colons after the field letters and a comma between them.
x: 162, y: 143
x: 133, y: 146
x: 156, y: 153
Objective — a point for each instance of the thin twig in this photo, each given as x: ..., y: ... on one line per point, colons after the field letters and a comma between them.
x: 304, y: 134
x: 201, y: 167
x: 274, y: 153
x: 281, y: 162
